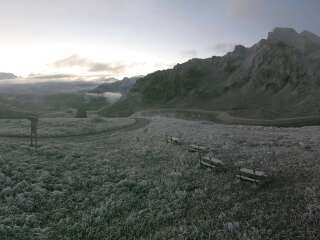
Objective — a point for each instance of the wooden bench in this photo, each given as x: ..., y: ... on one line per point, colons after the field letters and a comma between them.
x: 173, y: 140
x: 253, y: 176
x: 197, y: 148
x: 210, y: 161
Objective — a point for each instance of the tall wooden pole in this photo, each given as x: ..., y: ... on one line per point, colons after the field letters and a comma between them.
x: 34, y: 132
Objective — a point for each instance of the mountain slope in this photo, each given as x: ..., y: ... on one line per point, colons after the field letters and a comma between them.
x: 277, y: 77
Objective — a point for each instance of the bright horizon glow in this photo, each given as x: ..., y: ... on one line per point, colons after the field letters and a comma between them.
x: 45, y: 57
x: 118, y: 38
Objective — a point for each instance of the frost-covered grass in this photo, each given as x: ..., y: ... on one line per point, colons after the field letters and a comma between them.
x: 132, y: 185
x: 62, y: 126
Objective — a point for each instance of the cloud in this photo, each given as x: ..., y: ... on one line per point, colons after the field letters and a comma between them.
x: 91, y: 66
x: 72, y: 61
x: 160, y: 66
x: 51, y: 76
x: 189, y: 53
x: 244, y: 8
x: 222, y: 48
x: 104, y: 67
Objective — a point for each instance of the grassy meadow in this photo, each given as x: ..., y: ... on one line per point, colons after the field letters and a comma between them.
x: 132, y: 185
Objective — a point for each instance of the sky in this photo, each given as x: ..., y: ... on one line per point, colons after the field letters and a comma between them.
x: 118, y: 38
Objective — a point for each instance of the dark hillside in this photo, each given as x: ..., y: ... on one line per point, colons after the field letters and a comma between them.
x: 277, y: 77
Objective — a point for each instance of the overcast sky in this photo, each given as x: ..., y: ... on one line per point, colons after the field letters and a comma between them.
x: 119, y: 38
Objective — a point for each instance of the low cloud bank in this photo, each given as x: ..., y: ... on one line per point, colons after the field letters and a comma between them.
x: 89, y: 65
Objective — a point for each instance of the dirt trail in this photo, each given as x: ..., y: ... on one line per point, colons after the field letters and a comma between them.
x: 227, y: 118
x: 139, y: 123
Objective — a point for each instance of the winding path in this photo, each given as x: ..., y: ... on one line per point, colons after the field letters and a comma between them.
x: 138, y: 123
x: 226, y: 118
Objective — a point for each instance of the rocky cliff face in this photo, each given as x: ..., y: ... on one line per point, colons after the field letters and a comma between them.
x: 277, y: 77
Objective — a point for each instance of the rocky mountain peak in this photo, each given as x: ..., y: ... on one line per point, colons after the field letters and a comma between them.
x: 301, y: 41
x: 283, y: 34
x: 288, y: 36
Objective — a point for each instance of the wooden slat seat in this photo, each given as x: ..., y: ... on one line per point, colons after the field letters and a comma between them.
x: 212, y: 162
x: 197, y: 148
x: 251, y: 175
x: 173, y: 140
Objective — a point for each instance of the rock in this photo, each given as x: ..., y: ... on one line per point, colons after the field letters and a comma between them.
x: 181, y: 194
x: 21, y: 187
x: 2, y: 179
x: 312, y: 216
x: 232, y: 227
x: 6, y: 192
x: 32, y: 221
x: 57, y: 194
x: 25, y: 201
x: 37, y: 188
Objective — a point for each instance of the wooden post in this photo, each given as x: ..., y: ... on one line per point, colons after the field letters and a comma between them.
x: 31, y: 134
x: 34, y: 132
x: 200, y: 158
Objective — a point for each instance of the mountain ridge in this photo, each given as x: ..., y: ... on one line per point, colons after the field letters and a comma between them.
x: 277, y: 77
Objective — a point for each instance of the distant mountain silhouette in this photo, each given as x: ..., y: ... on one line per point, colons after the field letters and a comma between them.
x: 4, y: 75
x: 118, y: 86
x: 277, y: 77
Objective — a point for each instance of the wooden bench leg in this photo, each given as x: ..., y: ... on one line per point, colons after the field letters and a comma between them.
x: 31, y: 140
x: 36, y: 140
